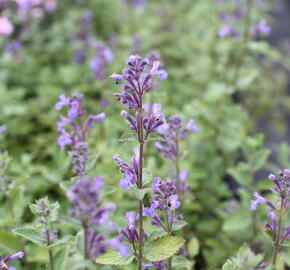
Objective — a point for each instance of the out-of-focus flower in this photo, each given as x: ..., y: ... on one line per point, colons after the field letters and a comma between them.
x: 6, y: 27
x: 261, y: 29
x: 227, y: 31
x: 3, y: 128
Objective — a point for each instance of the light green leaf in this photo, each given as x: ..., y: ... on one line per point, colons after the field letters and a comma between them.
x: 181, y: 263
x: 240, y: 220
x: 9, y: 243
x: 157, y: 233
x: 230, y: 265
x: 178, y: 225
x: 146, y: 176
x: 155, y: 137
x: 67, y: 240
x: 193, y: 247
x: 113, y: 257
x: 128, y: 137
x: 162, y: 248
x: 140, y: 193
x: 30, y: 234
x: 61, y: 258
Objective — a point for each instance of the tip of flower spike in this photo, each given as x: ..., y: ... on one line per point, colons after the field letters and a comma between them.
x: 116, y: 77
x: 3, y: 128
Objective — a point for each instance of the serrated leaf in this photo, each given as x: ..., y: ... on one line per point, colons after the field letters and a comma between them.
x: 108, y: 189
x: 146, y: 176
x: 128, y: 137
x: 230, y: 265
x: 67, y: 240
x: 30, y: 234
x: 178, y: 225
x: 157, y: 233
x: 140, y: 193
x: 155, y: 137
x: 113, y: 257
x: 162, y: 248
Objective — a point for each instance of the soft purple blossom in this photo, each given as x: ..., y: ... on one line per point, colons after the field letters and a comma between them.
x: 261, y: 29
x: 260, y: 200
x: 3, y: 128
x: 4, y: 261
x: 13, y: 46
x: 161, y: 265
x: 227, y: 31
x: 6, y: 27
x: 80, y: 56
x: 100, y: 61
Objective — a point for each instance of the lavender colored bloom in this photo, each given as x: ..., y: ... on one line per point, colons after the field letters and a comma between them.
x: 80, y: 56
x: 130, y: 172
x: 100, y: 61
x: 85, y: 197
x: 6, y: 27
x: 260, y: 200
x: 166, y: 201
x: 261, y: 29
x: 73, y: 130
x: 4, y: 261
x: 3, y: 128
x: 227, y: 31
x: 13, y: 46
x: 136, y: 3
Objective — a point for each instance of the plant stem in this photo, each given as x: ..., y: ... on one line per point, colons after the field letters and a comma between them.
x: 86, y: 252
x: 140, y: 182
x: 48, y: 240
x: 177, y: 168
x: 169, y: 261
x: 246, y: 34
x: 277, y: 237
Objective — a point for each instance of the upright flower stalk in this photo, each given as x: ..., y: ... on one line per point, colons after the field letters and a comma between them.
x: 279, y: 231
x: 145, y: 120
x: 173, y: 133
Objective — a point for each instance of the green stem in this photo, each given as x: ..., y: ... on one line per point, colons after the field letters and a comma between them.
x: 245, y: 39
x: 86, y: 251
x: 140, y: 182
x: 50, y: 255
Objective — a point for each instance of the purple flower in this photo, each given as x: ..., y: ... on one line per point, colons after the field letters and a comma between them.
x: 85, y: 197
x: 80, y: 56
x: 74, y: 128
x: 4, y: 261
x: 227, y: 31
x: 130, y: 172
x: 261, y: 29
x: 161, y: 265
x: 13, y: 46
x: 6, y: 27
x: 260, y: 200
x: 100, y: 61
x: 3, y: 128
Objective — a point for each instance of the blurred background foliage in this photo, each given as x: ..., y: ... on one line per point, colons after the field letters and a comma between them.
x: 235, y: 88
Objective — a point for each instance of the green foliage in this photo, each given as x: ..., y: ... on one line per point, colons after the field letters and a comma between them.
x: 162, y: 248
x: 113, y: 257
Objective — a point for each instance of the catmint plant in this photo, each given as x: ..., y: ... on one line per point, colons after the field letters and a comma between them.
x: 174, y: 132
x: 143, y: 123
x: 144, y: 120
x: 47, y: 213
x: 73, y: 129
x: 3, y: 128
x: 277, y: 210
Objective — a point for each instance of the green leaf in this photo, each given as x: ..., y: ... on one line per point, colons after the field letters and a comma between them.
x: 157, y: 233
x: 259, y: 158
x: 181, y: 263
x: 146, y: 176
x: 67, y: 240
x: 61, y: 258
x: 193, y: 247
x: 162, y: 248
x: 128, y: 137
x: 240, y: 220
x: 108, y: 189
x: 113, y: 257
x: 230, y: 265
x: 30, y: 234
x: 155, y: 137
x: 9, y: 243
x: 178, y: 225
x: 140, y: 193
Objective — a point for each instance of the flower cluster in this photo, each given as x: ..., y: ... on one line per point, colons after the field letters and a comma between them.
x: 100, y: 61
x: 4, y: 261
x: 261, y: 29
x: 136, y: 3
x: 173, y: 133
x: 165, y: 201
x: 85, y: 197
x: 73, y: 129
x: 276, y: 210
